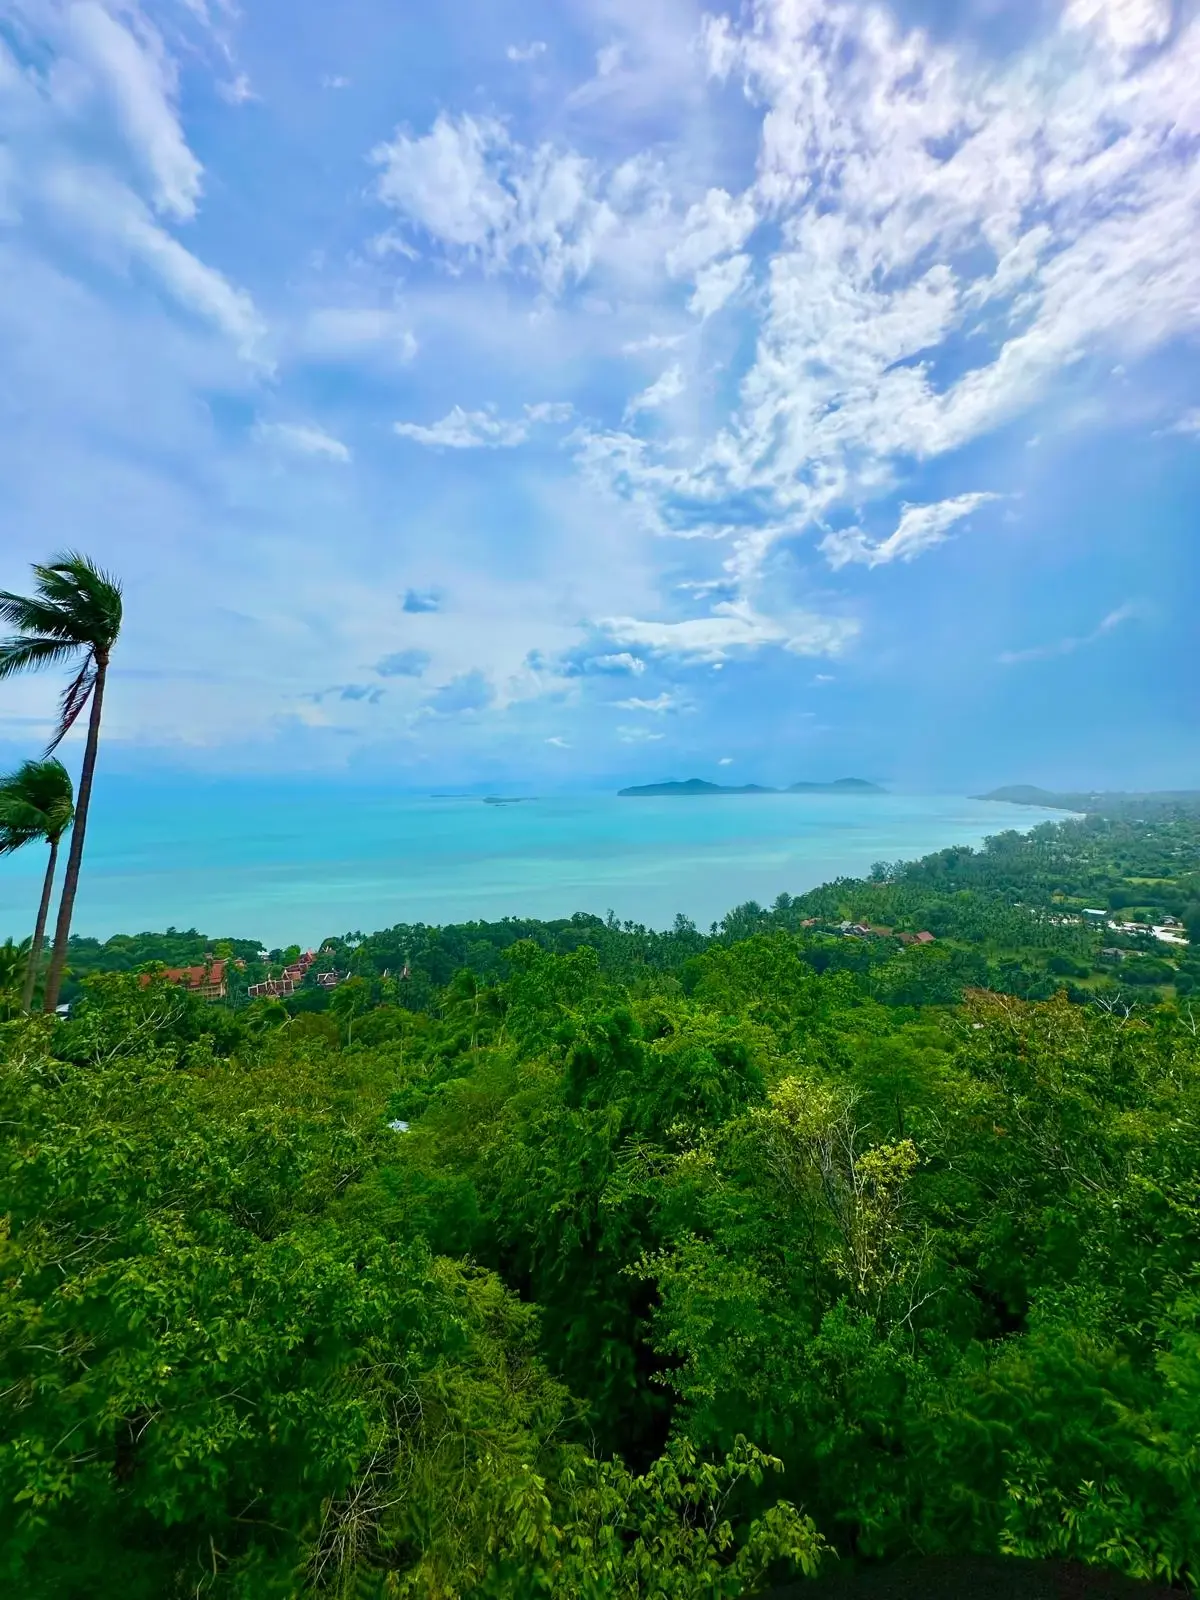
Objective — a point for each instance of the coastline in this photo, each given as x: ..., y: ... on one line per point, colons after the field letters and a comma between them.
x: 298, y: 867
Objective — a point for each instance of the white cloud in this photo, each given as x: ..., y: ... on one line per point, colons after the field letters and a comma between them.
x: 305, y: 439
x: 472, y: 190
x: 661, y: 703
x: 622, y: 661
x: 1125, y: 25
x: 919, y: 529
x: 718, y: 283
x: 237, y: 90
x: 949, y: 235
x: 137, y: 75
x: 609, y: 58
x: 466, y: 430
x: 725, y: 761
x: 346, y: 333
x: 116, y: 222
x: 1188, y: 423
x: 334, y: 80
x: 734, y: 626
x: 1130, y: 612
x: 638, y: 736
x: 550, y: 411
x: 652, y: 342
x: 472, y: 430
x: 558, y: 742
x: 543, y: 212
x: 716, y: 226
x: 661, y: 392
x: 526, y: 52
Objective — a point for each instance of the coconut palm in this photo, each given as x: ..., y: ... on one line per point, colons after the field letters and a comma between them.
x: 36, y: 802
x: 74, y: 616
x: 14, y: 959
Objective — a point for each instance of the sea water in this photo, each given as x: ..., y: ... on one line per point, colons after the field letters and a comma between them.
x: 292, y: 863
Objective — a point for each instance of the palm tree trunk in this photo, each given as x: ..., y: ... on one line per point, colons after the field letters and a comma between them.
x: 62, y: 931
x: 39, y: 932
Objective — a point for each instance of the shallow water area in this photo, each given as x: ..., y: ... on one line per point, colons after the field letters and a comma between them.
x: 284, y: 863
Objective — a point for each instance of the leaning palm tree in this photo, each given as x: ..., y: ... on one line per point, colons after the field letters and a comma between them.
x: 36, y: 802
x: 75, y: 616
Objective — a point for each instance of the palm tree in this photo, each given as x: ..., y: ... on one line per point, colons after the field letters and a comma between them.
x: 14, y: 959
x: 36, y: 802
x: 74, y: 616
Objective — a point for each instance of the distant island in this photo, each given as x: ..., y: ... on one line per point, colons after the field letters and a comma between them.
x: 838, y: 786
x: 1100, y: 803
x: 700, y: 786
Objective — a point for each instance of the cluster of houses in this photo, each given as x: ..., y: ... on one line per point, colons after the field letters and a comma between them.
x: 865, y: 930
x: 210, y: 981
x: 1169, y: 931
x: 292, y: 978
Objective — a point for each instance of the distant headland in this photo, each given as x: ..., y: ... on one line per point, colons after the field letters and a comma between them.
x: 700, y: 786
x: 1100, y: 803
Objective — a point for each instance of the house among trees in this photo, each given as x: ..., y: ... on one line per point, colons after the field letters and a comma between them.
x: 209, y: 981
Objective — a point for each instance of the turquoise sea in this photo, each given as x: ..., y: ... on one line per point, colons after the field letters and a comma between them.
x: 287, y: 863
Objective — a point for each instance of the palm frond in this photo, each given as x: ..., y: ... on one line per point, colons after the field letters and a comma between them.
x: 37, y: 801
x: 28, y: 654
x: 37, y: 614
x: 15, y: 838
x: 75, y: 697
x: 91, y: 597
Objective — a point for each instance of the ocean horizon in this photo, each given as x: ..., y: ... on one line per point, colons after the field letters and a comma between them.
x: 288, y: 863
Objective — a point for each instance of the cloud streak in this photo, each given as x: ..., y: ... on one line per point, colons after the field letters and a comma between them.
x: 1069, y: 645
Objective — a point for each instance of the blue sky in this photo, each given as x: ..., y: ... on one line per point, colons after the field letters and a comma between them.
x: 560, y: 392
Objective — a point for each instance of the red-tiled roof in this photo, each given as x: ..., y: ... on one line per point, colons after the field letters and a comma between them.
x: 192, y: 977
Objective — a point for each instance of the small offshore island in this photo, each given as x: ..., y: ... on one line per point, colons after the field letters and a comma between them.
x: 699, y: 786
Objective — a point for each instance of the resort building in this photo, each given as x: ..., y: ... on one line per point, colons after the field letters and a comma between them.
x: 208, y: 981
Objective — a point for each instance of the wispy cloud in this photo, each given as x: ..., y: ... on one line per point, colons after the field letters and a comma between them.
x: 302, y: 438
x: 734, y: 627
x: 466, y: 430
x: 637, y: 735
x: 138, y: 75
x: 660, y: 703
x: 919, y: 529
x: 661, y: 392
x: 484, y: 430
x: 652, y: 343
x: 237, y: 91
x: 526, y: 52
x: 1067, y: 646
x: 349, y: 333
x: 558, y: 742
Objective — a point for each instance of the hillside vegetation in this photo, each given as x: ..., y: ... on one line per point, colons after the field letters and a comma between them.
x: 579, y: 1260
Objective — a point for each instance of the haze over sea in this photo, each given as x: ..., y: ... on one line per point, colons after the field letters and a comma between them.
x: 296, y: 862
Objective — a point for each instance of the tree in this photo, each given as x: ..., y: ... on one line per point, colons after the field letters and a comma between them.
x: 36, y: 802
x: 74, y: 616
x: 13, y: 960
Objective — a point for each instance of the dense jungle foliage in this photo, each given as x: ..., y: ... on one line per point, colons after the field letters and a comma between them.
x: 588, y: 1261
